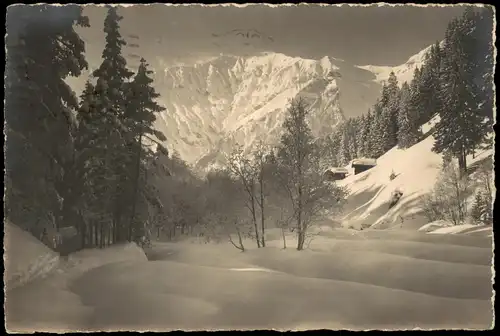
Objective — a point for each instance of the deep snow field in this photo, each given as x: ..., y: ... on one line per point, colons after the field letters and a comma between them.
x: 346, y: 279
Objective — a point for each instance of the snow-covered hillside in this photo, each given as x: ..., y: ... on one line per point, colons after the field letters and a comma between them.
x: 416, y: 170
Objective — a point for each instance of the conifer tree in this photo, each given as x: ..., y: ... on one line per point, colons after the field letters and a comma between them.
x: 376, y: 136
x: 140, y: 115
x: 416, y: 97
x: 39, y: 121
x: 408, y: 126
x: 114, y: 79
x: 362, y: 135
x: 114, y: 66
x: 354, y: 132
x: 367, y: 129
x: 390, y: 106
x: 461, y: 127
x: 100, y: 134
x: 345, y: 150
x: 429, y: 84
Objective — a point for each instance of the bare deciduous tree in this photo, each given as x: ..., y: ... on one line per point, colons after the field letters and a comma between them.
x: 448, y: 199
x: 225, y: 207
x: 299, y: 172
x: 245, y: 170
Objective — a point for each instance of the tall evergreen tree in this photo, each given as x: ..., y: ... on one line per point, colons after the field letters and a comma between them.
x: 114, y: 78
x: 43, y: 49
x: 345, y: 145
x: 408, y: 127
x: 365, y: 136
x: 362, y: 135
x: 484, y: 55
x: 376, y: 140
x: 114, y: 66
x: 416, y: 98
x: 429, y: 83
x: 141, y: 114
x: 100, y: 135
x: 482, y: 51
x: 354, y: 133
x: 389, y: 115
x: 461, y: 127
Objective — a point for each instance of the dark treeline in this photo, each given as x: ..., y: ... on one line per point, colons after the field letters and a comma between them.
x: 454, y: 83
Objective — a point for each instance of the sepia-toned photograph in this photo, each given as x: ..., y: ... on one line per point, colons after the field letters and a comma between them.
x: 230, y: 167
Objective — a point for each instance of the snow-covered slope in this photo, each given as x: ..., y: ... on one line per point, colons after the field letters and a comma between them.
x: 25, y: 257
x: 416, y: 169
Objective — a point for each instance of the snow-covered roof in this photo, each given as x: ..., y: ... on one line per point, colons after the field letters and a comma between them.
x: 340, y: 170
x: 364, y: 161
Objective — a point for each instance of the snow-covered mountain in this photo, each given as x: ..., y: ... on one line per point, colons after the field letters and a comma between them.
x: 221, y: 101
x: 215, y: 104
x: 403, y: 72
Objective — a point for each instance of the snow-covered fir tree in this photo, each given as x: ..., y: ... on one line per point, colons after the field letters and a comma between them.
x: 39, y: 111
x: 462, y: 126
x: 389, y: 115
x: 428, y: 83
x: 408, y: 124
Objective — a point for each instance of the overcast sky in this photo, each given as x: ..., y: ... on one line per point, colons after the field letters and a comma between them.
x: 375, y: 35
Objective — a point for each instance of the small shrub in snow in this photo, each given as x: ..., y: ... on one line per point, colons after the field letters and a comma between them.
x: 482, y: 211
x: 395, y: 197
x: 448, y: 199
x: 392, y: 176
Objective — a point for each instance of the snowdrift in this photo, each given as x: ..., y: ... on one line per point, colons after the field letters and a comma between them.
x: 25, y: 257
x: 382, y: 280
x: 87, y: 259
x: 50, y: 304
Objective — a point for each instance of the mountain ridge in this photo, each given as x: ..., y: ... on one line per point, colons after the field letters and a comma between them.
x: 228, y: 99
x: 216, y: 103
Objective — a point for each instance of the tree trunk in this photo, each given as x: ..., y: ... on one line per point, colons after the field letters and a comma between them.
x: 300, y: 233
x: 99, y: 235
x: 136, y: 186
x: 83, y: 230
x: 240, y: 240
x: 96, y: 241
x: 262, y: 218
x: 284, y: 238
x: 462, y: 162
x: 108, y: 233
x: 117, y: 226
x: 254, y: 218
